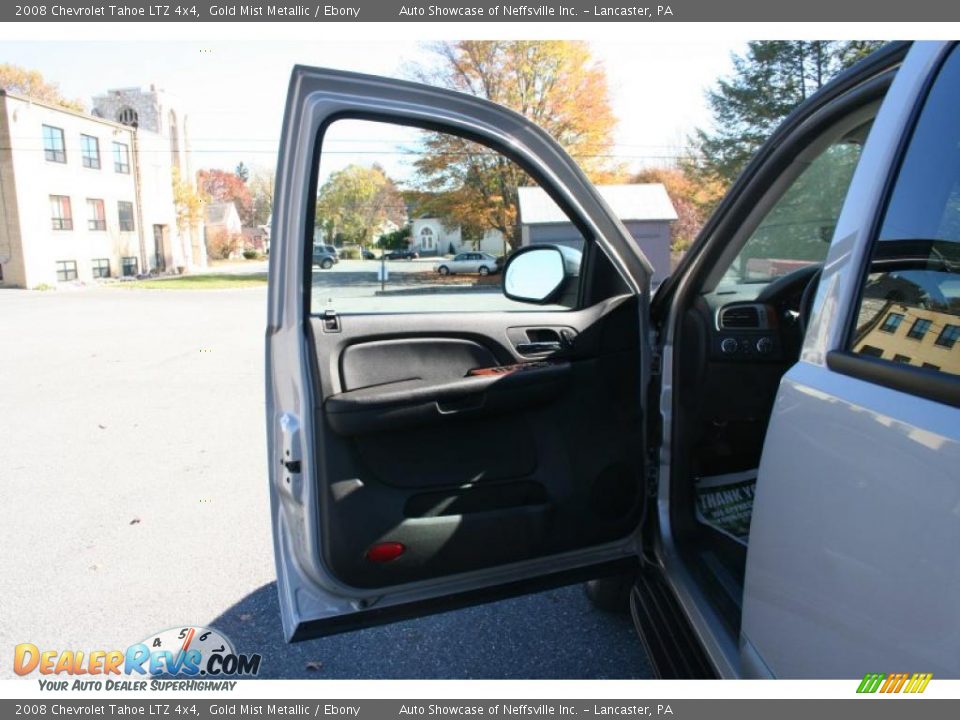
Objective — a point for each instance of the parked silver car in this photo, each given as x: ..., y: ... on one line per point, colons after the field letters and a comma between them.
x: 467, y: 262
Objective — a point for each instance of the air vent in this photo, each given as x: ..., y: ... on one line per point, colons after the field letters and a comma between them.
x: 740, y: 317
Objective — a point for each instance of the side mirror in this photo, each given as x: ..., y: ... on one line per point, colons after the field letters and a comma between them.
x: 537, y: 274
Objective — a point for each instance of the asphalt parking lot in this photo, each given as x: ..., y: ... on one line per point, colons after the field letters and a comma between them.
x: 132, y: 452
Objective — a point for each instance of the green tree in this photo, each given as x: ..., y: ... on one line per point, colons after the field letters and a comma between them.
x: 396, y: 240
x: 21, y: 81
x: 242, y: 171
x: 556, y: 84
x: 768, y: 81
x: 355, y: 203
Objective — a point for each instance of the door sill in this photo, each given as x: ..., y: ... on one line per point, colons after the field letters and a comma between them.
x: 669, y: 639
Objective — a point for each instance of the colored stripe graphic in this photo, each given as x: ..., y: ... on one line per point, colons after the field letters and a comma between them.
x: 918, y: 683
x: 894, y: 683
x: 891, y: 682
x: 871, y: 682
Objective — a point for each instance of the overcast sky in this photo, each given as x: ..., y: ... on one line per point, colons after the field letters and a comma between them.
x: 234, y: 91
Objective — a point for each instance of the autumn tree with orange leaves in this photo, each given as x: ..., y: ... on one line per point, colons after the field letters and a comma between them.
x: 221, y: 186
x: 556, y: 84
x: 21, y: 81
x: 693, y: 198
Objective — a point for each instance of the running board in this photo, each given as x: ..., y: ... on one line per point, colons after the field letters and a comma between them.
x: 674, y: 650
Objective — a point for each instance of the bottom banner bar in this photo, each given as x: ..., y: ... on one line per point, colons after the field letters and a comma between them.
x: 732, y: 709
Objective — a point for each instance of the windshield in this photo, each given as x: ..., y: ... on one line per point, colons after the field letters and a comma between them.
x: 798, y: 229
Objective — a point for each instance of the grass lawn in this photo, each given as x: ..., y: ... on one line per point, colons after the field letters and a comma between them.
x: 207, y: 281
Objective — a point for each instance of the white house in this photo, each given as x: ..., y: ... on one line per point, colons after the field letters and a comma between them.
x: 644, y: 209
x: 428, y: 236
x: 221, y: 217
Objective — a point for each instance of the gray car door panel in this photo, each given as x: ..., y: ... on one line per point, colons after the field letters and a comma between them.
x: 378, y: 434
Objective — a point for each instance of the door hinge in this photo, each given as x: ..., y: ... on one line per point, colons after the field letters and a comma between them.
x: 653, y: 472
x: 656, y: 364
x: 656, y: 361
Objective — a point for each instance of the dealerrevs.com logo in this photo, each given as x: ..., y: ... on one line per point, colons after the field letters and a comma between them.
x: 180, y: 658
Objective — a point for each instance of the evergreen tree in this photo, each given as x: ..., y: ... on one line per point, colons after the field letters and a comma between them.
x: 769, y: 80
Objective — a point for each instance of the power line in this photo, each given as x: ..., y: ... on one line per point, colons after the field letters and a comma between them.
x: 162, y: 151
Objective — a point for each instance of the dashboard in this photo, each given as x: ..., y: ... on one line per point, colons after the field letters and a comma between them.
x: 735, y: 344
x: 765, y: 329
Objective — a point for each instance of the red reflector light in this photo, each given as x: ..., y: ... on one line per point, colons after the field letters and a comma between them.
x: 385, y: 552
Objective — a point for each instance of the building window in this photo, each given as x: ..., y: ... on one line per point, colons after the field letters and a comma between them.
x: 919, y: 328
x: 121, y: 158
x: 426, y: 238
x: 892, y: 322
x: 898, y: 358
x: 101, y: 267
x: 96, y: 216
x: 125, y: 215
x: 129, y: 266
x: 90, y: 151
x: 66, y: 270
x: 948, y: 336
x: 54, y: 149
x: 930, y: 366
x: 128, y: 116
x: 871, y: 351
x: 60, y: 214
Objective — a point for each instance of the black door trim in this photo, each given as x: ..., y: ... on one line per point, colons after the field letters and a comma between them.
x: 394, y: 613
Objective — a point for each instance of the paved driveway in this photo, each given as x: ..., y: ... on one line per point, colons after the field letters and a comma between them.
x: 134, y: 499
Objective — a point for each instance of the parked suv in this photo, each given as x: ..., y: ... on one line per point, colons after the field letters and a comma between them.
x: 323, y: 258
x: 768, y: 447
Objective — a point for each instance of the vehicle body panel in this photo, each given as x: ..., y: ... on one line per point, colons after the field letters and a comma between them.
x: 852, y: 562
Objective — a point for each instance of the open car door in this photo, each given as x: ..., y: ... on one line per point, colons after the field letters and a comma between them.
x: 433, y: 442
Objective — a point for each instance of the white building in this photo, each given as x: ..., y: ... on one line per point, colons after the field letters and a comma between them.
x: 428, y: 236
x: 163, y: 148
x: 90, y: 196
x: 645, y: 210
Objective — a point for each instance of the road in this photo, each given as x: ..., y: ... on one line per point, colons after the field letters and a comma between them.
x: 410, y: 286
x: 132, y: 454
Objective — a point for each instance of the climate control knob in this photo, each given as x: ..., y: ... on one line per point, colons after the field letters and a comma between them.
x: 729, y: 346
x: 764, y: 346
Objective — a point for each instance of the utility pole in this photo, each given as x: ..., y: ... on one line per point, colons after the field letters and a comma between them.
x: 138, y: 197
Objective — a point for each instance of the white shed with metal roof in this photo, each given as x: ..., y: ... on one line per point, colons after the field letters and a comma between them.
x: 644, y: 209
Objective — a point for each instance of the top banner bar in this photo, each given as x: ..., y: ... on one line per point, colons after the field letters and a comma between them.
x: 485, y: 11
